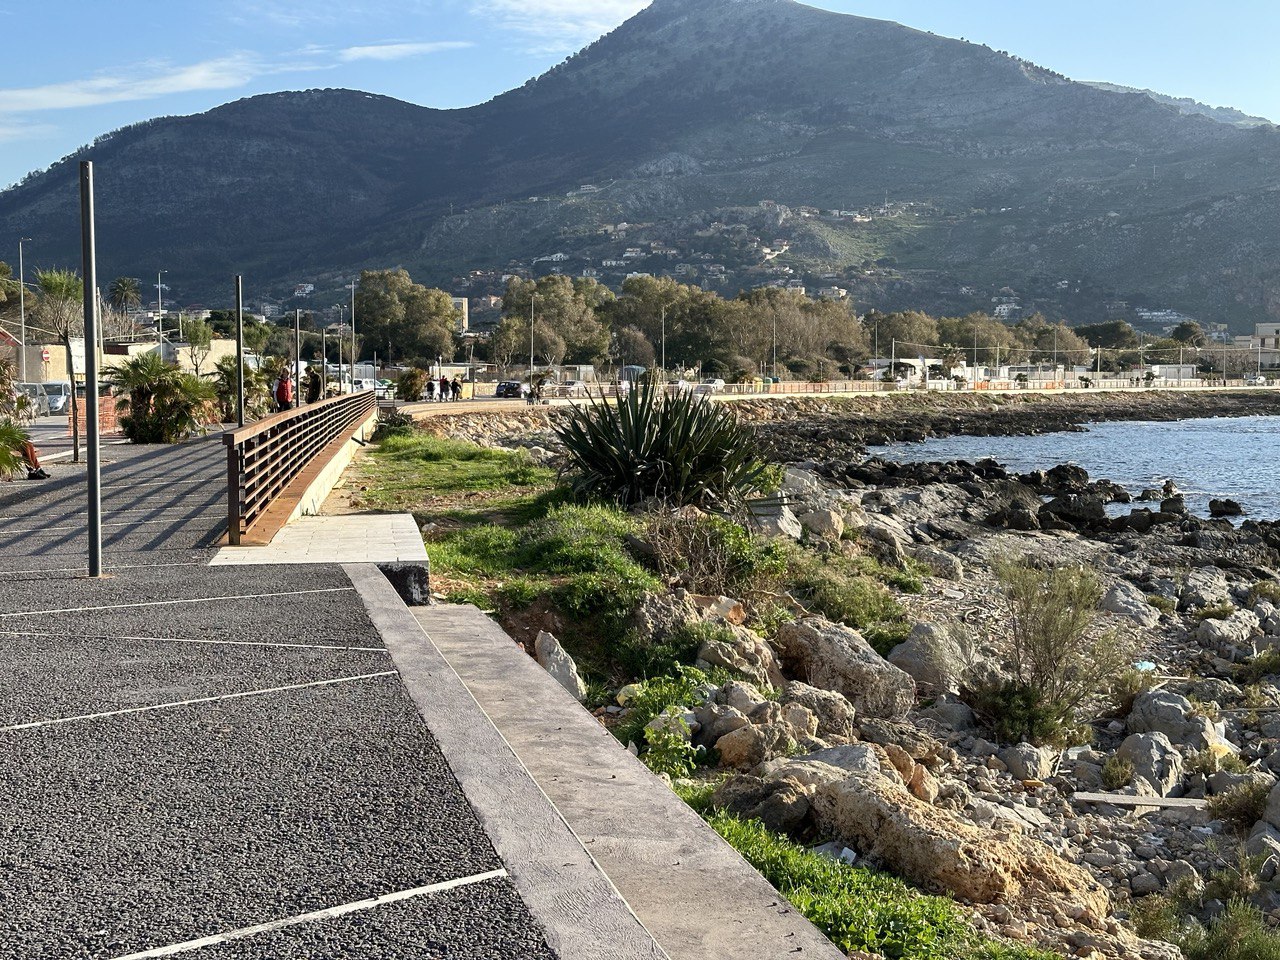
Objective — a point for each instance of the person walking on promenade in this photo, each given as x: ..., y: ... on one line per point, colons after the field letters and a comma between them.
x: 444, y: 388
x: 456, y: 387
x: 431, y: 389
x: 313, y: 385
x: 284, y: 393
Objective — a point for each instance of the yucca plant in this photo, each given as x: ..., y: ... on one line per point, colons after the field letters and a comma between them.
x: 681, y: 449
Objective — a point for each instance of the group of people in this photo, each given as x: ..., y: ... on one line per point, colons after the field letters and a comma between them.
x: 312, y: 388
x: 444, y: 389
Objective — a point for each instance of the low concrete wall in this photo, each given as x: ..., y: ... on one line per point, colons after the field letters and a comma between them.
x: 318, y: 490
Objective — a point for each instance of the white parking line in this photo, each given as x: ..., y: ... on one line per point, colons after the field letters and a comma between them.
x: 234, y: 643
x: 327, y: 914
x: 6, y: 574
x: 188, y: 703
x: 163, y: 603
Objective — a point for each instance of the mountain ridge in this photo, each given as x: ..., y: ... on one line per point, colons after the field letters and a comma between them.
x: 690, y: 108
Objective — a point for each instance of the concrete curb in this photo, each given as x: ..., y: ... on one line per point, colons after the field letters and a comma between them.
x: 584, y: 916
x: 697, y: 896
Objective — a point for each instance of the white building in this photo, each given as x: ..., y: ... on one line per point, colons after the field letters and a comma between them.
x: 464, y: 321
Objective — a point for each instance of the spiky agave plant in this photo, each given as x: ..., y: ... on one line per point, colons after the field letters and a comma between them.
x: 681, y: 449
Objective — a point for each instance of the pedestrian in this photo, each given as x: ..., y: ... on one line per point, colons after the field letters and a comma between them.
x: 444, y: 388
x: 284, y: 392
x: 527, y: 390
x: 27, y: 450
x: 431, y: 389
x: 456, y: 386
x: 313, y: 385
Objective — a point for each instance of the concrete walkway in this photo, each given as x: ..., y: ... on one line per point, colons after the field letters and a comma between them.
x: 656, y: 850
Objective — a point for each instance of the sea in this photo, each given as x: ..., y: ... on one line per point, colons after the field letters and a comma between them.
x: 1236, y: 458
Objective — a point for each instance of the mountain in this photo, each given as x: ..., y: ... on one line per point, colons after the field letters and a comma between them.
x: 1187, y: 105
x: 972, y: 173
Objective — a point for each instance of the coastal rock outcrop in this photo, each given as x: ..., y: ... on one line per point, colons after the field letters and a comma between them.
x: 836, y: 657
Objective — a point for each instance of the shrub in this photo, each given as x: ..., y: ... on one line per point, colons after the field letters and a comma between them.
x: 1127, y: 687
x: 258, y: 398
x: 1268, y: 590
x: 1016, y: 712
x: 12, y: 439
x: 681, y: 449
x: 1117, y: 772
x: 1240, y: 807
x: 646, y: 659
x: 1219, y: 611
x: 655, y: 697
x: 1163, y: 604
x: 1055, y: 659
x: 410, y: 384
x: 1240, y: 932
x: 393, y: 423
x: 834, y: 587
x: 668, y: 750
x: 713, y: 555
x: 1208, y: 762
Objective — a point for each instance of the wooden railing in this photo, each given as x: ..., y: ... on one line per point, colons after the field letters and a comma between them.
x: 264, y: 458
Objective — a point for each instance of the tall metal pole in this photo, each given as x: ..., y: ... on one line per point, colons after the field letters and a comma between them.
x: 324, y: 362
x: 22, y: 314
x: 239, y: 350
x: 297, y: 357
x: 532, y: 298
x: 353, y: 336
x: 89, y: 268
x: 664, y: 341
x: 160, y: 305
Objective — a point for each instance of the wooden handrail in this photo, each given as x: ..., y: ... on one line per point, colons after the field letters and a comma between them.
x: 265, y: 457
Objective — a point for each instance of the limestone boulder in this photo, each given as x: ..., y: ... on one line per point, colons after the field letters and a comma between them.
x: 744, y: 697
x: 940, y: 563
x: 1204, y: 587
x: 889, y: 542
x: 1234, y: 636
x: 781, y: 805
x: 834, y: 711
x: 779, y: 524
x: 715, y: 720
x: 824, y: 524
x: 1156, y: 763
x: 744, y: 652
x: 835, y: 657
x: 1171, y: 714
x: 749, y: 746
x: 942, y: 853
x: 1027, y: 762
x: 659, y: 615
x: 556, y: 661
x: 1126, y: 600
x: 850, y: 757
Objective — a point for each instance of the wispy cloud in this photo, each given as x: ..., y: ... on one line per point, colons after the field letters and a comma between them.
x: 140, y: 83
x: 560, y: 25
x: 11, y: 130
x: 399, y: 51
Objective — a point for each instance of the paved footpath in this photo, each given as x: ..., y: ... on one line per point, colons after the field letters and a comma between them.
x: 224, y: 761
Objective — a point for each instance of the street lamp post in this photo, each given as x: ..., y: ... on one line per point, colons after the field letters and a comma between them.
x: 532, y: 297
x: 353, y: 336
x: 22, y: 314
x: 160, y: 306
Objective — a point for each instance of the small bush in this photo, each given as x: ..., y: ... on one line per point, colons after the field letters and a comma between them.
x: 1242, y: 806
x: 1128, y: 686
x: 656, y: 696
x: 1268, y: 590
x: 668, y: 751
x: 834, y: 587
x: 520, y: 592
x: 1117, y: 772
x: 1056, y: 660
x: 392, y: 423
x: 410, y: 384
x: 1016, y: 712
x: 1265, y: 664
x: 713, y: 555
x: 679, y: 449
x: 1239, y: 933
x: 1219, y: 611
x: 1208, y: 762
x: 648, y: 659
x: 1163, y: 604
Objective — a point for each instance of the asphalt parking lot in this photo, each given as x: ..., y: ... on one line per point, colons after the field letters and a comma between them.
x: 216, y: 761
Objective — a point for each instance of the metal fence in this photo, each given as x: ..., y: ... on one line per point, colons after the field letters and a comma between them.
x: 265, y: 457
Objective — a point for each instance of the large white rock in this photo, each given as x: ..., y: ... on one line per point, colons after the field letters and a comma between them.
x: 558, y: 663
x: 1126, y: 600
x: 933, y: 658
x: 1168, y: 713
x: 836, y: 657
x: 1155, y: 761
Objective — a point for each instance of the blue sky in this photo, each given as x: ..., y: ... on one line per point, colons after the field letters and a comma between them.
x: 73, y: 69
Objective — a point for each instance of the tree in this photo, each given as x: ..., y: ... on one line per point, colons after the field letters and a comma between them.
x: 914, y: 331
x: 405, y: 320
x: 1112, y: 335
x: 59, y: 309
x: 1190, y: 333
x: 199, y: 342
x: 508, y: 341
x: 628, y: 346
x: 161, y: 404
x: 568, y: 308
x: 123, y: 293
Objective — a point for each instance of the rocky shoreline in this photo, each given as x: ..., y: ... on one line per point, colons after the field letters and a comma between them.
x: 884, y: 758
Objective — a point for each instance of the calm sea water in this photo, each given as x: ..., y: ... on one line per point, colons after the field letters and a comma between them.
x: 1219, y: 457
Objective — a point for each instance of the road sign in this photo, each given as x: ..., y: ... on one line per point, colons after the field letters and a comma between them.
x: 44, y: 354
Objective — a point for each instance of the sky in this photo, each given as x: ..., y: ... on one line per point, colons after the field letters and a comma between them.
x: 71, y: 70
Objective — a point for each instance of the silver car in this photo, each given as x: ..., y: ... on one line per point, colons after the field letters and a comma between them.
x: 37, y: 397
x: 59, y: 394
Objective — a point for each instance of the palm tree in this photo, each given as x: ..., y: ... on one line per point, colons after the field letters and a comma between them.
x: 59, y: 309
x: 124, y: 292
x: 161, y: 404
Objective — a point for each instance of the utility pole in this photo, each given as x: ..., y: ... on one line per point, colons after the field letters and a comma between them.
x: 324, y: 361
x: 775, y: 346
x: 239, y: 351
x: 160, y: 308
x: 663, y: 310
x: 893, y: 361
x: 22, y: 313
x: 532, y: 298
x: 89, y: 267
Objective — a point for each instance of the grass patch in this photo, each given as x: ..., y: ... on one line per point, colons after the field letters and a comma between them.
x: 1242, y: 806
x: 858, y: 909
x: 840, y: 589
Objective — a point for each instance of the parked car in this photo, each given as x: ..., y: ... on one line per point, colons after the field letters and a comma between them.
x: 710, y: 385
x: 1258, y: 381
x: 573, y: 388
x: 386, y: 389
x: 39, y: 398
x: 511, y: 389
x: 59, y: 394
